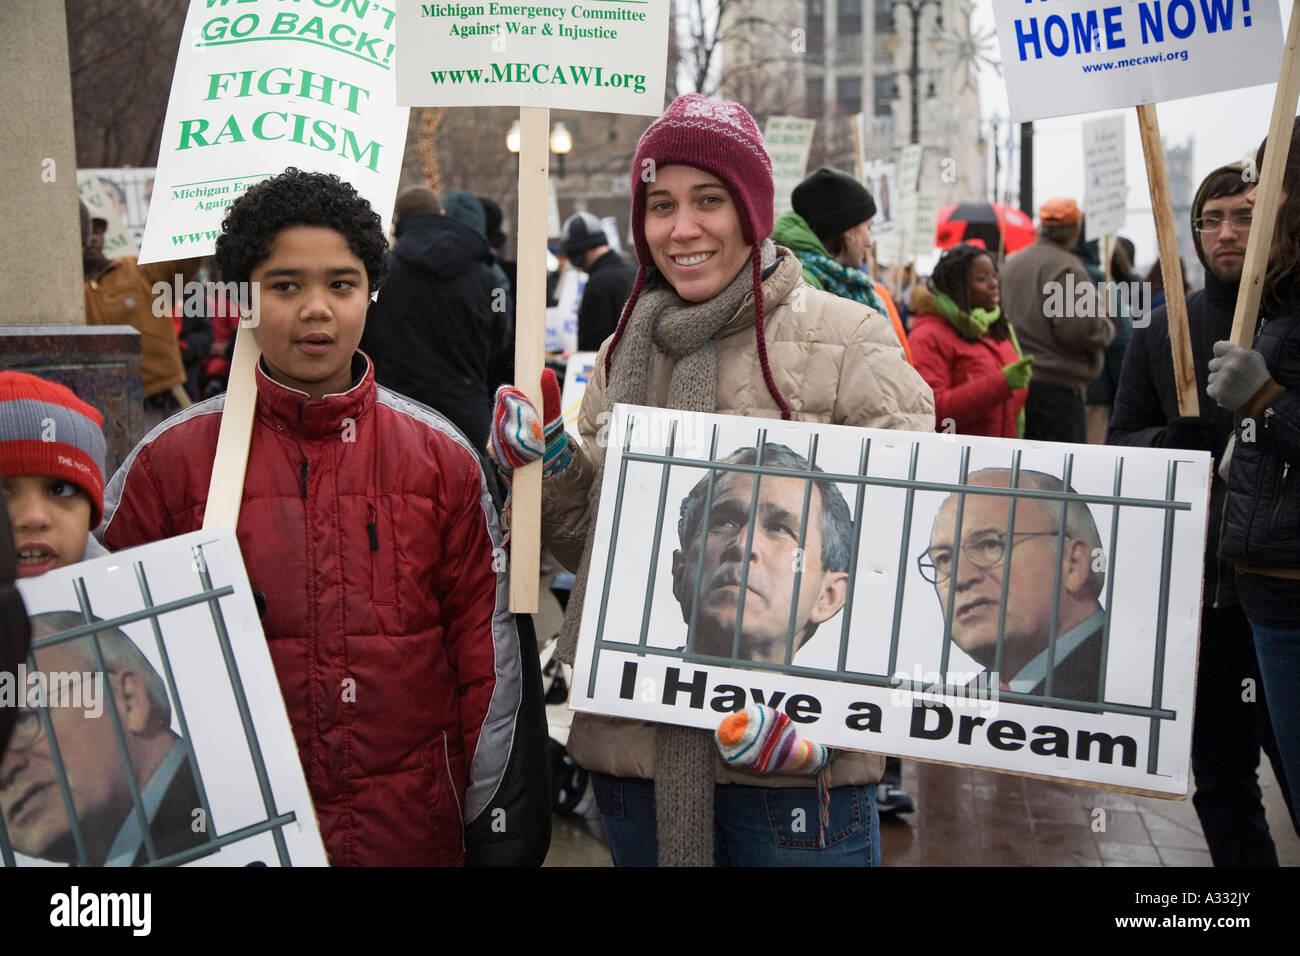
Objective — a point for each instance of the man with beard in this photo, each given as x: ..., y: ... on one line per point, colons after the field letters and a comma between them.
x: 1228, y: 731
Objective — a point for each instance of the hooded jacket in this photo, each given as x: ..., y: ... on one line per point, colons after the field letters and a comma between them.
x: 966, y: 375
x: 1146, y: 399
x: 834, y: 361
x: 792, y: 231
x: 439, y: 321
x: 375, y: 552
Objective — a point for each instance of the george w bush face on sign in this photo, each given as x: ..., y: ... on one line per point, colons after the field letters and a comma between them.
x: 777, y: 591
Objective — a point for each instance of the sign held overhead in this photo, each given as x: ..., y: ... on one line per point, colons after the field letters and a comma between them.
x: 1081, y: 56
x: 607, y: 56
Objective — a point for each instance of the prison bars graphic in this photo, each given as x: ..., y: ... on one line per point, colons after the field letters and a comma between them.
x: 1155, y: 712
x: 274, y: 821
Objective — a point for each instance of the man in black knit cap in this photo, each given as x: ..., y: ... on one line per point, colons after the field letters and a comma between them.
x: 609, y: 279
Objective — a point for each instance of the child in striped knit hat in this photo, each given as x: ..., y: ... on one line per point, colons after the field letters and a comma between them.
x: 52, y: 461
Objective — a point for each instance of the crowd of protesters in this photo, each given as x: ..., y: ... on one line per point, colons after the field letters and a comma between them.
x: 719, y: 313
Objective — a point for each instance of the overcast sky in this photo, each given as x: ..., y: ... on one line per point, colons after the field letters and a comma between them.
x: 1226, y: 127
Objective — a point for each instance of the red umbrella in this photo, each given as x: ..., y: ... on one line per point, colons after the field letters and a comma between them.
x: 983, y: 224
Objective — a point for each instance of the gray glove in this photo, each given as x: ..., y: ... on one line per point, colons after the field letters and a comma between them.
x: 1236, y: 374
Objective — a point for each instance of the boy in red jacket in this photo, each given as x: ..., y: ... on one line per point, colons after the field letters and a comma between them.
x: 367, y: 526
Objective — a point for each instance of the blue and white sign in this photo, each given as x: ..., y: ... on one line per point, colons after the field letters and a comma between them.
x: 1081, y: 56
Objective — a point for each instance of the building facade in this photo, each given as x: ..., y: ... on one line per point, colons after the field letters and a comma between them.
x: 832, y: 59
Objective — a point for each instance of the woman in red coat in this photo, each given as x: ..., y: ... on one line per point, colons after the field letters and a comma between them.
x: 965, y: 348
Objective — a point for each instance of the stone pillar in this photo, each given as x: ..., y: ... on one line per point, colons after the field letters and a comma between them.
x: 100, y: 363
x: 40, y: 240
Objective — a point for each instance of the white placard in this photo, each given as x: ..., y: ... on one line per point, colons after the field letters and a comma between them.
x: 909, y: 168
x: 554, y: 224
x: 1105, y: 194
x: 216, y: 665
x: 788, y: 140
x: 1081, y: 56
x: 880, y: 179
x: 864, y: 670
x: 610, y: 225
x: 562, y: 318
x: 904, y: 240
x: 576, y: 376
x: 607, y: 56
x: 261, y: 85
x: 120, y: 197
x: 925, y: 224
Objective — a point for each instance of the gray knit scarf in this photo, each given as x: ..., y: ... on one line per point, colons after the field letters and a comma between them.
x: 661, y: 321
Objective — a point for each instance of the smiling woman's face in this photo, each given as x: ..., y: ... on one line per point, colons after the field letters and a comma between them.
x: 692, y: 227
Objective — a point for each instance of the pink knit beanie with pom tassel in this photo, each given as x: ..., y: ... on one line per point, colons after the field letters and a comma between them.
x: 722, y: 139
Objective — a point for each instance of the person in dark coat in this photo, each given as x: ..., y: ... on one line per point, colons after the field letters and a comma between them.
x: 1261, y: 528
x: 609, y: 279
x: 1227, y: 732
x: 432, y: 333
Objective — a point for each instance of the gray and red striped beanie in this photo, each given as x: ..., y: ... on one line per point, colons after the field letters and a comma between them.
x: 46, y: 430
x: 722, y: 139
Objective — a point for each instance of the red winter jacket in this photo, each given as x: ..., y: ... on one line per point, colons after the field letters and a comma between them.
x: 966, y: 377
x: 367, y: 525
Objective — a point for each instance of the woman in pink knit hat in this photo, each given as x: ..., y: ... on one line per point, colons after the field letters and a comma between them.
x: 719, y: 320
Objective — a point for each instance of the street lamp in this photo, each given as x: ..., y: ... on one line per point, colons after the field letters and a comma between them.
x: 916, y: 8
x: 560, y: 141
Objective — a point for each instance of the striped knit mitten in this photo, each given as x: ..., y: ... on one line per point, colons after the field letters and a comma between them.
x: 518, y: 437
x: 763, y: 740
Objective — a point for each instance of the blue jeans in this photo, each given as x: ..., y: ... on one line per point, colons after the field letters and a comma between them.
x: 752, y: 826
x: 1278, y: 650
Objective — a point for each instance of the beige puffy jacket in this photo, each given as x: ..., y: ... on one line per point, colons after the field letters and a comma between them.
x: 834, y: 361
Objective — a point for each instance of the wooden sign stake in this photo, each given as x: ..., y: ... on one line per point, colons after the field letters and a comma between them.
x: 530, y: 346
x: 1105, y: 258
x: 1268, y: 194
x: 1153, y: 151
x: 226, y: 487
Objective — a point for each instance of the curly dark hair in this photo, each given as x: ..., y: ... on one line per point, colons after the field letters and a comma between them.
x: 1282, y: 280
x: 951, y: 276
x: 298, y: 198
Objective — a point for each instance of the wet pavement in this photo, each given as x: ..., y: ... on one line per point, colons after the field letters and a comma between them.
x: 969, y: 817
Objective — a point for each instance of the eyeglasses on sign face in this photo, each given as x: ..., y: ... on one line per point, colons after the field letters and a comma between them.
x: 984, y: 549
x: 1240, y: 222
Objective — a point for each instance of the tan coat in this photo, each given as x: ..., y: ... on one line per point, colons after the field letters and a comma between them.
x: 123, y: 295
x: 834, y: 361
